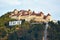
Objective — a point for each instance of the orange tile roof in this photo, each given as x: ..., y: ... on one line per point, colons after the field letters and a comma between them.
x: 48, y: 14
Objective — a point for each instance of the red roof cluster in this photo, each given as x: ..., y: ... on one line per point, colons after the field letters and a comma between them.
x: 27, y: 13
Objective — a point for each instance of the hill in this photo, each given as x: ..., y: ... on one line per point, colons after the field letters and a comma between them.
x: 27, y: 30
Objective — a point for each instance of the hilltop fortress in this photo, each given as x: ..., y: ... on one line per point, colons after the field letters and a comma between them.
x: 28, y: 15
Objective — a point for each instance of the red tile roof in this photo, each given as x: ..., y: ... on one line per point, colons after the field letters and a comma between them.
x: 48, y: 14
x: 33, y: 13
x: 44, y: 17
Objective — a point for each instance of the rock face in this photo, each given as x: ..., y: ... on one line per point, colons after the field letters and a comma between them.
x: 28, y: 15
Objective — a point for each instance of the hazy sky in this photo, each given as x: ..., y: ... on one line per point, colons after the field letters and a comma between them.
x: 46, y: 6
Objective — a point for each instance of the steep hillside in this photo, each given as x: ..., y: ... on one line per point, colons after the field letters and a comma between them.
x: 28, y: 30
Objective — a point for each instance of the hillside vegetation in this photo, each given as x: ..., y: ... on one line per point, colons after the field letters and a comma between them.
x: 27, y: 31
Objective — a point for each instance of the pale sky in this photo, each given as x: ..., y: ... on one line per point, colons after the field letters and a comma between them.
x: 46, y: 6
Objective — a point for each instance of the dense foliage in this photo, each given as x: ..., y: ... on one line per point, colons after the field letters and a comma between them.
x: 54, y: 31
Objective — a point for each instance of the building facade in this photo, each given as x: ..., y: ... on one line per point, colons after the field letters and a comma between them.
x: 28, y: 15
